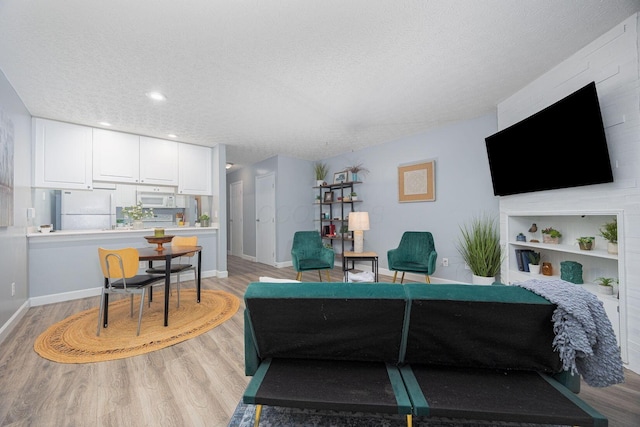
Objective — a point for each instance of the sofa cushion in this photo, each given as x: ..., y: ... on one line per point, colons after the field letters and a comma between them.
x: 480, y: 327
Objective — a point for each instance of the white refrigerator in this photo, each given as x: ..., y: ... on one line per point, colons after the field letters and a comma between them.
x: 86, y: 210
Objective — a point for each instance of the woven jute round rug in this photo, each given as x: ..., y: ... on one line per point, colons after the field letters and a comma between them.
x: 74, y: 339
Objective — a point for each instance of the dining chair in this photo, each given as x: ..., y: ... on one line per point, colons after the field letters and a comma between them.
x: 416, y: 253
x: 120, y: 271
x: 182, y: 264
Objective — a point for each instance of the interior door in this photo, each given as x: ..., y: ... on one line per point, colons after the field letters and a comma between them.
x: 236, y: 219
x: 266, y: 219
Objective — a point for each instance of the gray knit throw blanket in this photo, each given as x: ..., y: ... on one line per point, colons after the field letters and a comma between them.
x: 584, y: 336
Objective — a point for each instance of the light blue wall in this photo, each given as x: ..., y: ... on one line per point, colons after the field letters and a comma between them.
x: 13, y: 241
x: 463, y: 189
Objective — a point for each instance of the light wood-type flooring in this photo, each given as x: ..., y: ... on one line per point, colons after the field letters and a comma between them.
x: 195, y: 383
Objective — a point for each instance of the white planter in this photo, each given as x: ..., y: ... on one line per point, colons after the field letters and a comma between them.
x: 319, y: 182
x: 534, y: 269
x: 612, y: 248
x: 607, y: 290
x: 481, y: 280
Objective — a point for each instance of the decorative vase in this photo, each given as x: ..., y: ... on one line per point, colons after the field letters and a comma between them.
x: 137, y: 224
x: 534, y: 268
x: 547, y: 269
x: 481, y: 280
x: 612, y: 248
x: 354, y: 176
x: 319, y: 182
x: 548, y: 239
x: 204, y: 222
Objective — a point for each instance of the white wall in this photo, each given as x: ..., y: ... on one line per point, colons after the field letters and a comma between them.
x: 612, y: 62
x: 13, y: 241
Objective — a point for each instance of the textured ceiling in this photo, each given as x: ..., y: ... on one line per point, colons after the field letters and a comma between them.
x: 304, y: 78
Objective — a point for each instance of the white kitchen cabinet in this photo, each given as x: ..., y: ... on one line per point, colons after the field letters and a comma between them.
x: 126, y: 195
x: 158, y: 161
x: 116, y: 156
x: 195, y: 170
x: 62, y: 155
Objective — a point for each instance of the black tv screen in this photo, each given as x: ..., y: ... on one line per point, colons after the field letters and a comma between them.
x: 562, y: 146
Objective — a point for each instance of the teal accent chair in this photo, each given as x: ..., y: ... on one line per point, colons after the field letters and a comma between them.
x: 308, y: 253
x: 415, y: 254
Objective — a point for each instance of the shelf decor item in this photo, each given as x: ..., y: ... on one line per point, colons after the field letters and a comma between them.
x: 479, y: 246
x: 547, y: 269
x: 320, y: 170
x: 551, y: 235
x: 357, y: 171
x: 204, y: 220
x: 586, y: 243
x: 571, y: 271
x: 534, y: 262
x: 605, y: 285
x: 610, y: 232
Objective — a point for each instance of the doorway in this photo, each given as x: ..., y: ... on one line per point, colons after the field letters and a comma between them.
x: 236, y: 219
x: 266, y: 219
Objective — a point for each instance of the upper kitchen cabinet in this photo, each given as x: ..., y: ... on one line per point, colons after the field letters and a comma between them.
x: 195, y: 170
x: 62, y: 155
x: 158, y: 161
x: 116, y: 156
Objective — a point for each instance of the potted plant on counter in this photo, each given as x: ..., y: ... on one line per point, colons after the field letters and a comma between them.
x: 479, y: 246
x: 204, y: 220
x: 137, y: 214
x: 610, y: 232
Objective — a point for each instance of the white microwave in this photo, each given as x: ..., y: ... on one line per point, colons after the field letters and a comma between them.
x: 157, y: 200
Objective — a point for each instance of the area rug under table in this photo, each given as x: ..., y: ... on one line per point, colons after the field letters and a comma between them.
x: 74, y: 339
x: 276, y: 416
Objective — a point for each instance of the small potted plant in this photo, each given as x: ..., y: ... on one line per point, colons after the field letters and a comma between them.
x: 605, y: 285
x: 479, y: 247
x: 357, y: 171
x: 534, y: 262
x: 354, y: 196
x: 610, y: 232
x: 320, y: 170
x: 551, y: 235
x: 586, y: 243
x: 204, y: 220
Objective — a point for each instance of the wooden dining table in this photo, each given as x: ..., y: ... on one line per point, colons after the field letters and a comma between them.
x: 167, y: 254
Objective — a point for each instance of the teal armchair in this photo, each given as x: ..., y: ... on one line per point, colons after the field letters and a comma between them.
x: 415, y: 254
x: 308, y: 253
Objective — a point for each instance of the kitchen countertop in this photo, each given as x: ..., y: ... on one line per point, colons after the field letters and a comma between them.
x: 118, y: 231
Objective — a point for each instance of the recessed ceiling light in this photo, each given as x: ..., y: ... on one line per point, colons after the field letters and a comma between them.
x: 157, y: 96
x: 172, y: 135
x: 104, y: 124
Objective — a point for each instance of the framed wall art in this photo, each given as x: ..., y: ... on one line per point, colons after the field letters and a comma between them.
x: 416, y: 182
x: 340, y: 177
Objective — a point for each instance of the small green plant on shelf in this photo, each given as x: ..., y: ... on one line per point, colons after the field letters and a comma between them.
x: 534, y: 258
x: 321, y: 170
x: 610, y: 231
x: 552, y: 232
x: 586, y: 242
x: 605, y: 281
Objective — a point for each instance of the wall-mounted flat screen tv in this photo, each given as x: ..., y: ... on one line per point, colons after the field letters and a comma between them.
x: 561, y: 146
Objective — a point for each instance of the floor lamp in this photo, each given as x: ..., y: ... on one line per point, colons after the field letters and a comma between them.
x: 358, y: 222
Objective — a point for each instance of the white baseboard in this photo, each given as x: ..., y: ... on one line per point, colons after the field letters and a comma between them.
x: 13, y: 321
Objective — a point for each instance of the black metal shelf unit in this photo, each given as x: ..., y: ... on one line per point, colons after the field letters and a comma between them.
x: 336, y: 201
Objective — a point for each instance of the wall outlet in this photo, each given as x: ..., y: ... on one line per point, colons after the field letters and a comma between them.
x: 445, y: 262
x: 13, y: 289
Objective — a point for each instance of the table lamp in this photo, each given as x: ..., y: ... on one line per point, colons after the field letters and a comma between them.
x: 358, y: 222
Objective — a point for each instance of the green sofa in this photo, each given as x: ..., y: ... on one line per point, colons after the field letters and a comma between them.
x: 456, y: 351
